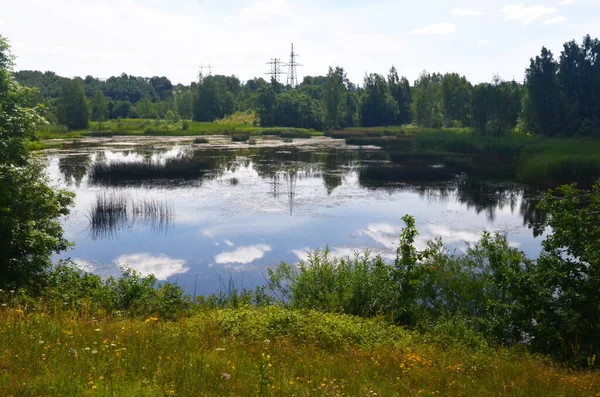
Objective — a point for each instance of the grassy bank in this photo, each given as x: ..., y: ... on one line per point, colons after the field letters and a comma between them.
x: 531, y: 159
x: 538, y: 160
x: 263, y: 352
x: 140, y: 127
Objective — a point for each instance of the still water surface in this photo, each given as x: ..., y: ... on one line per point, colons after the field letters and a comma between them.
x: 227, y: 212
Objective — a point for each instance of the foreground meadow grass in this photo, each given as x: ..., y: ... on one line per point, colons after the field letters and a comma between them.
x: 265, y: 352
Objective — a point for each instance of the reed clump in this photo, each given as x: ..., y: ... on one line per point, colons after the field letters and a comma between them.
x: 126, y: 173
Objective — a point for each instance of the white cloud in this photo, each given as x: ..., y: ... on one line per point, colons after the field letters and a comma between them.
x: 436, y: 29
x: 162, y: 267
x: 555, y: 20
x: 84, y: 265
x: 525, y: 14
x: 466, y: 13
x: 566, y: 2
x: 229, y: 243
x: 243, y: 255
x: 483, y: 42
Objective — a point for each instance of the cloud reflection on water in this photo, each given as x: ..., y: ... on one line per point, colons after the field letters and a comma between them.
x: 243, y: 255
x: 145, y: 263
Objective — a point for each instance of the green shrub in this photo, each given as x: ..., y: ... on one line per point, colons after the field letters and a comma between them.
x: 69, y: 288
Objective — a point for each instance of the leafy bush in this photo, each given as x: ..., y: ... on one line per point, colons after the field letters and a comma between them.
x: 360, y: 286
x: 68, y: 287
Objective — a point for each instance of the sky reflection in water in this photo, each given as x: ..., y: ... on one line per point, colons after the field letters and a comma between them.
x: 251, y: 208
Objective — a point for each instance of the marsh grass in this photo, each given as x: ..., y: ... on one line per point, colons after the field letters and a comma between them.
x: 544, y: 161
x: 257, y: 352
x: 240, y: 136
x: 120, y: 173
x: 114, y: 210
x: 139, y: 127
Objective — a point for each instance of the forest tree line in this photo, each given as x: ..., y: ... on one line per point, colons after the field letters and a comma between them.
x: 558, y: 97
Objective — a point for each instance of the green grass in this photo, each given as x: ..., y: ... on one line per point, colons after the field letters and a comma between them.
x: 258, y: 352
x: 538, y: 160
x: 140, y: 127
x: 121, y: 173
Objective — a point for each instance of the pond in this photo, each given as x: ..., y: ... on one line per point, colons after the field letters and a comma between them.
x: 209, y: 215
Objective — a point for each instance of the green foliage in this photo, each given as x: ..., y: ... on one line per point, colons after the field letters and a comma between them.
x: 566, y: 310
x: 360, y: 286
x: 266, y: 105
x: 213, y: 99
x: 427, y: 100
x: 401, y: 92
x: 68, y: 288
x: 30, y: 209
x: 377, y: 106
x: 99, y: 107
x: 339, y: 102
x: 543, y: 94
x: 456, y: 100
x: 496, y: 107
x: 553, y: 169
x: 296, y: 109
x: 72, y: 105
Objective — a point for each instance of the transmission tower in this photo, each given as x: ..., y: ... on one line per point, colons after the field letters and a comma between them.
x: 292, y: 76
x: 275, y: 68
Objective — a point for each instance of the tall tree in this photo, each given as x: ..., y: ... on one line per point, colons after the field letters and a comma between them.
x: 496, y: 107
x: 213, y: 99
x: 427, y: 100
x: 266, y: 105
x: 72, y: 105
x: 377, y: 105
x: 183, y: 98
x: 543, y: 94
x: 334, y: 92
x: 579, y: 81
x: 99, y: 107
x: 30, y: 230
x: 400, y: 91
x: 456, y: 100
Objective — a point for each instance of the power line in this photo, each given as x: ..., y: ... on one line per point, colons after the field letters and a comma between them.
x: 275, y: 68
x: 292, y: 76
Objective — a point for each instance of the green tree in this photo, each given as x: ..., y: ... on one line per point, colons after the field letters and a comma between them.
x: 496, y: 107
x: 99, y: 107
x: 566, y: 305
x: 579, y: 82
x: 183, y: 98
x: 296, y: 109
x: 209, y: 100
x: 72, y: 105
x: 30, y: 230
x: 266, y: 105
x: 456, y: 100
x: 544, y: 95
x: 377, y: 105
x: 146, y: 109
x: 334, y: 92
x: 427, y: 100
x: 400, y: 91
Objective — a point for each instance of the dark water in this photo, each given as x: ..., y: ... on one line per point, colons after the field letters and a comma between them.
x: 201, y: 215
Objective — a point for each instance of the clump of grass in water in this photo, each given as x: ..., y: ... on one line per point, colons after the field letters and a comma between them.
x: 553, y: 169
x: 108, y: 214
x: 200, y: 140
x: 240, y: 136
x: 114, y: 211
x: 121, y: 173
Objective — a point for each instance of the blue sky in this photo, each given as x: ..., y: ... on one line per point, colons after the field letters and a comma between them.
x: 174, y: 37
